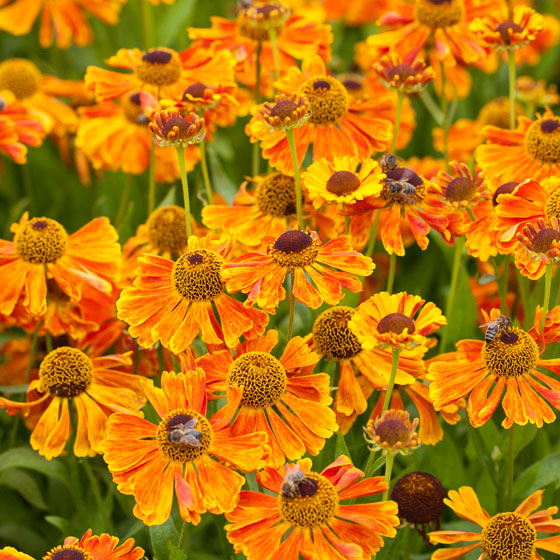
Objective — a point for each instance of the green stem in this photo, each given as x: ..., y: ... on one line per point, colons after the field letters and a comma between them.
x: 48, y: 342
x: 256, y: 147
x: 272, y: 35
x: 369, y: 465
x: 373, y: 234
x: 25, y: 177
x: 511, y: 68
x: 547, y: 285
x: 432, y: 107
x: 503, y: 285
x: 205, y: 174
x: 182, y: 535
x: 151, y: 175
x: 510, y: 467
x: 123, y: 204
x: 146, y: 24
x: 185, y: 184
x: 392, y: 267
x: 94, y: 484
x: 400, y: 99
x: 388, y: 470
x: 455, y: 269
x: 445, y: 119
x: 292, y: 144
x: 32, y: 351
x: 391, y: 384
x: 523, y: 283
x: 292, y: 307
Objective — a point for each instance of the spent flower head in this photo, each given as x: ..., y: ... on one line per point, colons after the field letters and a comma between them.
x: 170, y: 128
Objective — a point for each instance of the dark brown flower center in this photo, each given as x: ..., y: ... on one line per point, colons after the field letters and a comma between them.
x: 508, y: 536
x: 549, y: 125
x: 197, y: 275
x: 333, y: 337
x: 293, y: 241
x: 460, y: 189
x: 542, y: 140
x: 321, y: 84
x: 403, y: 71
x: 68, y: 554
x: 195, y: 90
x: 503, y: 30
x: 343, y: 182
x: 283, y: 109
x: 157, y: 56
x: 180, y: 123
x: 512, y: 354
x: 352, y: 85
x: 543, y: 240
x: 506, y: 188
x: 66, y: 372
x: 392, y: 431
x: 395, y: 323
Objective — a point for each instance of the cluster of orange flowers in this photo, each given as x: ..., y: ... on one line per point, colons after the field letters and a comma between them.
x: 184, y: 305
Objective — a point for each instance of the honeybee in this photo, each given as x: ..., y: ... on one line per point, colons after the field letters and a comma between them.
x: 389, y: 162
x: 185, y: 434
x: 242, y: 5
x: 401, y: 189
x: 496, y: 327
x: 291, y: 482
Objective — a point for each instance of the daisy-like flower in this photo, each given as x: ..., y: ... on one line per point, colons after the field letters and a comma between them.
x: 540, y: 246
x: 61, y: 22
x: 392, y: 433
x: 309, y: 511
x: 261, y: 275
x: 338, y: 125
x: 266, y: 211
x: 356, y: 12
x: 182, y: 454
x: 170, y: 128
x: 69, y: 375
x: 89, y: 547
x: 536, y: 93
x: 279, y: 396
x: 171, y: 302
x: 388, y: 320
x: 504, y: 535
x: 406, y: 75
x: 43, y: 250
x: 532, y: 150
x: 502, y: 32
x: 483, y: 370
x: 340, y: 182
x: 287, y: 111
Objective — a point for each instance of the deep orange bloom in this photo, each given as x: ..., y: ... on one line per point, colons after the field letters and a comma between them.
x: 68, y: 374
x: 356, y: 12
x: 181, y: 455
x: 61, y: 22
x: 261, y: 275
x: 309, y: 511
x: 42, y: 250
x: 339, y: 125
x: 173, y: 302
x: 504, y: 535
x: 508, y: 362
x: 531, y: 151
x: 404, y: 74
x: 279, y: 396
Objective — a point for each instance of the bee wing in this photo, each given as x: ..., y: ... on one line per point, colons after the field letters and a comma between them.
x: 485, y: 324
x: 191, y: 423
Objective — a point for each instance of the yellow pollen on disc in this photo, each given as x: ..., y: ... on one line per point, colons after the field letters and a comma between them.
x: 71, y: 552
x: 496, y: 112
x: 294, y: 249
x: 542, y: 140
x: 552, y: 206
x: 313, y: 506
x: 439, y: 13
x: 513, y: 353
x: 66, y: 372
x: 332, y: 336
x: 197, y: 275
x: 167, y: 231
x: 276, y: 195
x: 41, y: 241
x: 20, y: 76
x: 179, y: 446
x: 328, y: 99
x: 508, y: 536
x: 261, y: 376
x: 159, y: 67
x: 132, y: 109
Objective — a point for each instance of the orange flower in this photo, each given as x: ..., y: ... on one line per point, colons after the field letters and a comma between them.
x: 302, y: 35
x: 504, y: 535
x: 307, y: 507
x: 183, y: 454
x: 339, y: 125
x: 406, y: 75
x: 388, y: 320
x: 392, y: 433
x: 61, y: 22
x: 531, y: 151
x: 170, y: 128
x: 356, y: 12
x: 67, y: 374
x: 278, y: 396
x: 172, y: 302
x: 261, y: 275
x: 540, y: 246
x: 536, y: 93
x: 509, y: 362
x: 265, y: 212
x: 42, y: 250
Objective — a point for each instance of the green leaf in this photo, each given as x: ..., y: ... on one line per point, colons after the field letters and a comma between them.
x: 160, y: 536
x: 174, y: 21
x: 11, y: 389
x: 538, y: 475
x: 378, y: 463
x: 175, y: 553
x: 484, y: 455
x: 486, y: 279
x: 341, y: 447
x: 25, y: 485
x: 169, y: 198
x: 65, y: 526
x: 22, y: 535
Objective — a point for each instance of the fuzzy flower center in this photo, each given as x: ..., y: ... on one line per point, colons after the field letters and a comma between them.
x: 542, y: 140
x: 508, y: 536
x: 343, y: 182
x: 167, y: 231
x: 67, y: 553
x: 395, y: 323
x: 197, y: 275
x: 327, y: 97
x: 419, y: 496
x: 276, y: 195
x: 41, y: 241
x: 261, y: 376
x: 506, y: 188
x: 314, y: 505
x: 552, y: 206
x: 159, y: 67
x: 66, y: 372
x: 332, y: 336
x: 543, y: 240
x: 513, y: 353
x: 254, y: 21
x: 439, y: 13
x: 294, y: 249
x: 460, y: 189
x: 183, y: 440
x: 20, y: 76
